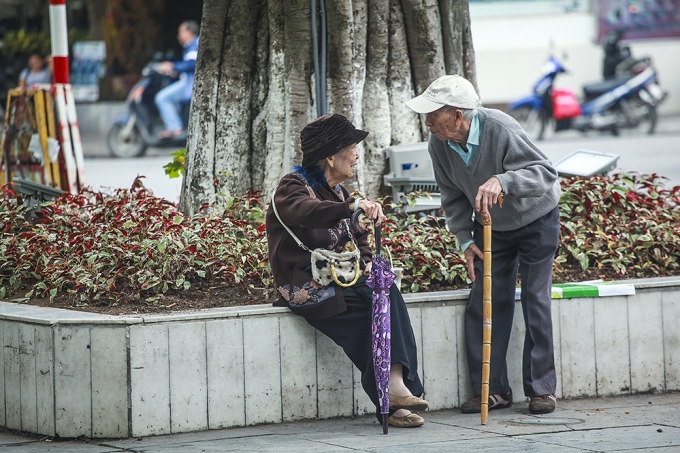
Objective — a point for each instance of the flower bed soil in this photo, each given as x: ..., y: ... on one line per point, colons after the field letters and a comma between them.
x: 195, y: 298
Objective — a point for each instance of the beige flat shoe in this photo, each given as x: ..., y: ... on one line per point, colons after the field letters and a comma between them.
x: 170, y: 133
x: 412, y: 403
x: 407, y: 421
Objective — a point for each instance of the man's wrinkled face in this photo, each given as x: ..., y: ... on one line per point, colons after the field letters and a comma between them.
x: 447, y: 124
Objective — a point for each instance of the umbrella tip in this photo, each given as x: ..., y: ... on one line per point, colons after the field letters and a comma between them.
x: 384, y: 423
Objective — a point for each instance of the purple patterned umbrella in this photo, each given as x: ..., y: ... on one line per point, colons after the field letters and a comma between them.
x: 380, y: 281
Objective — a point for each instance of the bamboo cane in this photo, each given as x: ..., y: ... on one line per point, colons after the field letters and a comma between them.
x: 486, y: 308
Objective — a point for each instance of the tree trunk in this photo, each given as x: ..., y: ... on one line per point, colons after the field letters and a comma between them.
x: 254, y: 85
x: 198, y: 185
x: 468, y: 56
x: 297, y: 48
x: 424, y: 35
x: 258, y: 107
x: 405, y: 122
x: 459, y: 56
x: 376, y: 102
x: 233, y: 142
x: 277, y: 152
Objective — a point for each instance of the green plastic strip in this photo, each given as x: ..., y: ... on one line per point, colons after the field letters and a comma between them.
x: 587, y: 289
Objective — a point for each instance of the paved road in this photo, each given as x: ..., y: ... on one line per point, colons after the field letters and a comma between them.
x: 105, y: 172
x: 659, y: 153
x: 631, y: 424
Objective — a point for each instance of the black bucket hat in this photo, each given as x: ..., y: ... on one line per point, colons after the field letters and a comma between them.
x: 326, y: 136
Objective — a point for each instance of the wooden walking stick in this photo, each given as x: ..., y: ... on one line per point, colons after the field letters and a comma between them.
x: 486, y: 308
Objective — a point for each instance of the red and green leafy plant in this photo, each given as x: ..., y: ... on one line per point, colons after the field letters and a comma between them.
x: 424, y: 248
x: 130, y: 245
x: 624, y: 226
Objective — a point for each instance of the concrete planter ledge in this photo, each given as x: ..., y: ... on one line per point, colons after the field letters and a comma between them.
x: 83, y: 374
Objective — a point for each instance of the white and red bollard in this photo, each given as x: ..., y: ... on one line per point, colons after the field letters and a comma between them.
x: 64, y: 102
x: 59, y: 40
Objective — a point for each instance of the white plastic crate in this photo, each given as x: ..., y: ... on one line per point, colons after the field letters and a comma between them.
x: 410, y: 161
x: 411, y: 171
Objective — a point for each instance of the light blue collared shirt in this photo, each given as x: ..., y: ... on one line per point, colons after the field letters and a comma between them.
x: 472, y: 142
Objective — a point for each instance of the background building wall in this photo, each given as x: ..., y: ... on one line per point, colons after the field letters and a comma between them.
x: 512, y: 48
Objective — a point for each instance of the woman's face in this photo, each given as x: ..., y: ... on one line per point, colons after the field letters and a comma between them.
x: 344, y: 163
x: 36, y: 63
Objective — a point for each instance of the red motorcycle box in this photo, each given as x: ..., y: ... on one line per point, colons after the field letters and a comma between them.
x: 565, y: 104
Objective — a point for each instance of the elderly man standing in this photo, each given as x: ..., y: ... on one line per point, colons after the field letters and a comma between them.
x: 479, y: 154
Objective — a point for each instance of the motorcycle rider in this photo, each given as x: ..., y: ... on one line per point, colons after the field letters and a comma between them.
x: 169, y: 100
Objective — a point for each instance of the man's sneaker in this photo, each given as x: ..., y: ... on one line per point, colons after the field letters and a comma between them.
x: 542, y: 404
x: 474, y: 405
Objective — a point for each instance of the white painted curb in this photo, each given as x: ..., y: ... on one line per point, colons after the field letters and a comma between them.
x: 72, y: 373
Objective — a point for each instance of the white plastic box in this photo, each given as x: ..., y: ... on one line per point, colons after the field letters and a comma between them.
x: 410, y: 171
x: 585, y: 163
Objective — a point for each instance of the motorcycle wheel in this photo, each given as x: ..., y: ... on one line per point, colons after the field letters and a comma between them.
x: 533, y: 122
x: 638, y: 115
x: 649, y: 119
x: 133, y: 146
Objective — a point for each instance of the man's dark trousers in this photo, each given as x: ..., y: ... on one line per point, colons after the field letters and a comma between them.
x: 531, y: 248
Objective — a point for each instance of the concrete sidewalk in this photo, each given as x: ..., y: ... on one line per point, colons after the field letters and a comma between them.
x: 638, y: 423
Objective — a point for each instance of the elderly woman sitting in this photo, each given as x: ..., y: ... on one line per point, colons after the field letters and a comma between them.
x: 314, y: 205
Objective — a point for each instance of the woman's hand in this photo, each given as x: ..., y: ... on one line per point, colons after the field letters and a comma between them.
x: 373, y: 210
x: 367, y: 269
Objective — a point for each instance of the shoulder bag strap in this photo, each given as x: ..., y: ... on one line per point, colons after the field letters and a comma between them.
x: 299, y: 242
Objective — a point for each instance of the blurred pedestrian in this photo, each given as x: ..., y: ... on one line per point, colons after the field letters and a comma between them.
x: 170, y: 99
x: 479, y: 154
x: 36, y: 73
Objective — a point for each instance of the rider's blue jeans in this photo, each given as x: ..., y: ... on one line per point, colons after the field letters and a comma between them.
x: 169, y: 103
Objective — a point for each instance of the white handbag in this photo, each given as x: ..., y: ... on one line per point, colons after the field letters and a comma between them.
x: 342, y: 268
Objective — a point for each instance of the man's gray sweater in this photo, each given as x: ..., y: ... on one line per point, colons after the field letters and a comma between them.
x: 505, y: 151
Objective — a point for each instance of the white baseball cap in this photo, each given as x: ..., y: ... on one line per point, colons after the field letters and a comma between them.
x: 452, y: 90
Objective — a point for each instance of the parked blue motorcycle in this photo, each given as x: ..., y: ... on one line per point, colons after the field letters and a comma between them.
x: 626, y: 102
